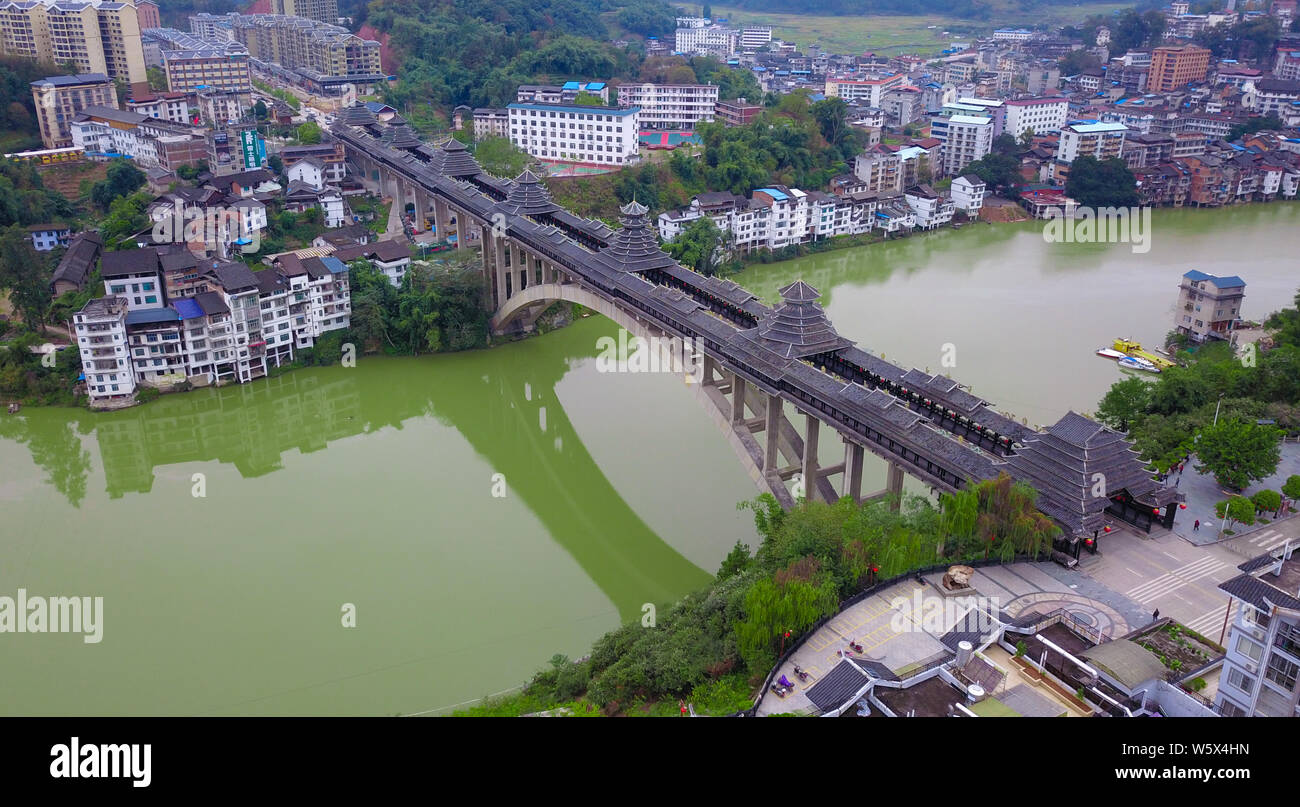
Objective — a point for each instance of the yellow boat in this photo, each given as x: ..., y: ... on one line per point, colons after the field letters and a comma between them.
x: 1131, y: 348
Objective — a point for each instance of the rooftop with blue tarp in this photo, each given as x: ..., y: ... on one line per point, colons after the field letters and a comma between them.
x: 188, y: 308
x: 334, y: 264
x: 774, y: 193
x: 149, y: 316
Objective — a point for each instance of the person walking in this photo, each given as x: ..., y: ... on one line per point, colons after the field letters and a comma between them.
x: 1155, y: 615
x: 1196, y: 527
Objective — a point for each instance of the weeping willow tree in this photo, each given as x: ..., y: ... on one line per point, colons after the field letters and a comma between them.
x: 791, y: 602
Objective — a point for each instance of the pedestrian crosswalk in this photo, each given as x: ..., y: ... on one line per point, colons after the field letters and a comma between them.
x: 1211, y: 625
x: 1172, y: 581
x: 1266, y: 540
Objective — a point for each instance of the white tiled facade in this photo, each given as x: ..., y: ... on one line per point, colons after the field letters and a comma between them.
x: 670, y: 106
x: 576, y: 133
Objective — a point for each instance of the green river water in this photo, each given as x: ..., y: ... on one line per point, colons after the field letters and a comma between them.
x: 373, y: 486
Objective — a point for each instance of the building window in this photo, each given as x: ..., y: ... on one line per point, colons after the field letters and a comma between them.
x: 1240, y: 680
x: 1282, y: 672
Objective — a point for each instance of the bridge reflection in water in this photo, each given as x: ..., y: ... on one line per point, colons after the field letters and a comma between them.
x: 502, y: 402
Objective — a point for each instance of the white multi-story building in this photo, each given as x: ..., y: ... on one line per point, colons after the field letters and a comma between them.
x: 134, y: 276
x: 707, y: 40
x: 868, y: 91
x: 576, y: 134
x: 1039, y: 115
x: 932, y: 210
x: 100, y: 327
x: 1261, y: 670
x: 753, y: 37
x: 1091, y: 139
x: 965, y: 138
x: 670, y: 106
x: 1012, y: 35
x: 968, y: 194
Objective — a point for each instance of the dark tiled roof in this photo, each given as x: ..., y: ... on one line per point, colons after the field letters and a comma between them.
x: 234, y: 277
x: 128, y: 262
x: 798, y: 327
x: 634, y: 247
x: 211, y: 303
x: 528, y: 196
x: 837, y: 687
x: 269, y: 281
x: 1259, y: 593
x: 78, y: 262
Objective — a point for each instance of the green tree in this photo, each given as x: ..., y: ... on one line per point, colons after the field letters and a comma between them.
x: 1237, y: 452
x: 1237, y: 509
x: 1101, y: 183
x: 736, y: 561
x: 122, y: 179
x: 1269, y: 500
x: 1125, y: 402
x: 499, y: 157
x: 699, y: 246
x: 25, y: 275
x: 1291, y: 487
x: 309, y: 133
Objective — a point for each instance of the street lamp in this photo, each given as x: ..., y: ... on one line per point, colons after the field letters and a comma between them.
x: 1216, y: 409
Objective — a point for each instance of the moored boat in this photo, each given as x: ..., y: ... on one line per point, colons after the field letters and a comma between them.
x: 1134, y: 363
x: 1107, y: 353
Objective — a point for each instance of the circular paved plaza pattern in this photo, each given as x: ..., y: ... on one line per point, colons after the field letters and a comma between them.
x: 1088, y: 611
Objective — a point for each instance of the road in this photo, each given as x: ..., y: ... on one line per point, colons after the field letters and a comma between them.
x: 1180, y: 579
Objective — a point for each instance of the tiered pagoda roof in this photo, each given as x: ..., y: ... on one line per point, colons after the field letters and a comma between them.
x: 528, y: 196
x: 359, y: 115
x: 401, y: 136
x: 634, y: 247
x: 1063, y: 464
x: 798, y: 327
x: 457, y: 161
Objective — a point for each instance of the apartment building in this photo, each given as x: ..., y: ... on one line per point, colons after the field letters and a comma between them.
x: 220, y: 67
x: 93, y: 36
x: 331, y: 154
x: 169, y: 106
x: 1262, y: 665
x: 1091, y: 139
x: 489, y: 122
x: 322, y: 56
x: 1209, y: 307
x: 105, y: 132
x: 1039, y: 115
x: 100, y: 328
x: 1271, y: 96
x: 707, y: 40
x: 565, y: 93
x: 866, y: 91
x: 213, y: 27
x: 1173, y: 67
x: 670, y: 106
x: 753, y: 37
x: 58, y: 99
x: 737, y: 113
x: 968, y: 194
x: 232, y: 324
x: 930, y: 209
x: 577, y: 134
x: 965, y: 138
x: 320, y: 10
x: 787, y: 215
x: 883, y: 168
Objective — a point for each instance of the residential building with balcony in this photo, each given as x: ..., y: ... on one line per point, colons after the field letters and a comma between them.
x: 1039, y: 115
x: 670, y: 106
x: 576, y: 134
x: 1262, y: 665
x: 1209, y: 307
x: 100, y: 328
x: 58, y: 100
x: 1091, y: 139
x: 968, y: 193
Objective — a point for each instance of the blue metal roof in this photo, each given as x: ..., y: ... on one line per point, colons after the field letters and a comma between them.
x: 1229, y: 282
x: 570, y: 85
x: 775, y: 194
x: 333, y: 264
x: 188, y: 308
x: 145, y: 316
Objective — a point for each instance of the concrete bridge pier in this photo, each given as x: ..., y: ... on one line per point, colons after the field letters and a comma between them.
x: 853, y: 455
x: 772, y: 431
x: 738, y: 400
x: 811, y: 475
x: 894, y: 485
